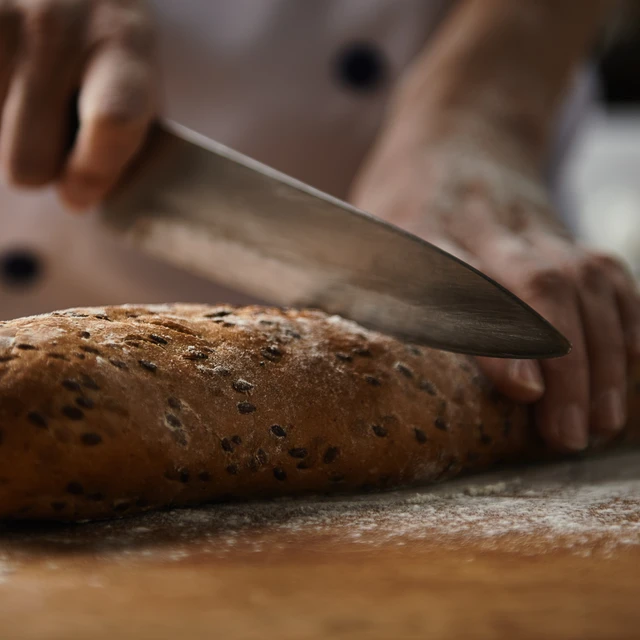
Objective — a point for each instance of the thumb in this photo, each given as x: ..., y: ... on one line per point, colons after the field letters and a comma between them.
x: 115, y: 107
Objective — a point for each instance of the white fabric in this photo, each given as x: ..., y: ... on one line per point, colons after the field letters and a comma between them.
x: 257, y: 75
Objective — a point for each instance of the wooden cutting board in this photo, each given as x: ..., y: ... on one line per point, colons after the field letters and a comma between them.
x: 549, y: 552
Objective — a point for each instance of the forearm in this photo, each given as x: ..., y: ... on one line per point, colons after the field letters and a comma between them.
x: 504, y: 63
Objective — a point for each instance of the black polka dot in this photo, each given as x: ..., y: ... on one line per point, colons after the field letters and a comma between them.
x: 20, y: 267
x: 361, y: 67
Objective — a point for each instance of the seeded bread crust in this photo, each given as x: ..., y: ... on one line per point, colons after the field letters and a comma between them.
x: 105, y: 412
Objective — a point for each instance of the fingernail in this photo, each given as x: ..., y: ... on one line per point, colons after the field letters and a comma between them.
x: 609, y: 411
x: 572, y: 428
x: 526, y: 373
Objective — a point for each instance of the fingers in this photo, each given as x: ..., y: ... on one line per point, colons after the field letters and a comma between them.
x: 50, y: 50
x: 593, y: 301
x: 34, y: 119
x: 606, y: 348
x: 520, y: 380
x: 115, y: 107
x: 582, y: 395
x: 627, y: 301
x: 537, y: 270
x: 563, y: 412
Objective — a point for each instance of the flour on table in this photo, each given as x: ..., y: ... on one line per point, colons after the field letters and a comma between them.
x: 579, y: 506
x: 575, y: 505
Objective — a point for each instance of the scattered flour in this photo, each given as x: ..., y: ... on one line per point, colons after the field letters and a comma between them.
x: 576, y: 507
x: 573, y: 505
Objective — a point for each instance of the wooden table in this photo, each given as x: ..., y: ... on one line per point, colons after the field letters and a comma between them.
x: 549, y: 552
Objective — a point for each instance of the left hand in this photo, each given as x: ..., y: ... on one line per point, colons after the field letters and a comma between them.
x: 474, y: 191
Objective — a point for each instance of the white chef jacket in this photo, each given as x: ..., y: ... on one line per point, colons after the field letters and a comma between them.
x: 298, y: 84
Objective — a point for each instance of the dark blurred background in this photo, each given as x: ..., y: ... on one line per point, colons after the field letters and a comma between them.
x: 618, y: 67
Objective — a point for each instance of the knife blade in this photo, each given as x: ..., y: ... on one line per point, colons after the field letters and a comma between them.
x: 212, y: 211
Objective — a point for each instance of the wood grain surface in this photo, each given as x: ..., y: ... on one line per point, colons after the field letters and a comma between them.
x: 546, y: 552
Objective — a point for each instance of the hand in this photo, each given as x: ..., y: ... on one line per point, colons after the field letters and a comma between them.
x: 475, y: 193
x: 51, y: 51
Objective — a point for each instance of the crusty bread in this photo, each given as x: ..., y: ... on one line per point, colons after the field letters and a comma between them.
x: 112, y: 411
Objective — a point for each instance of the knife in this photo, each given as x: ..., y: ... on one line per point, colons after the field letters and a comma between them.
x: 212, y: 211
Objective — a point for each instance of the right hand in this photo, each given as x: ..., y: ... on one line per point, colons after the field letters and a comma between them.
x: 52, y: 51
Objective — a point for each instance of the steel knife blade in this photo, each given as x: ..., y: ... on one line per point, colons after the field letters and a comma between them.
x: 208, y: 209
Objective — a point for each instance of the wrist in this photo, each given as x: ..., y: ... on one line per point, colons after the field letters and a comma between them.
x: 464, y: 157
x: 502, y: 122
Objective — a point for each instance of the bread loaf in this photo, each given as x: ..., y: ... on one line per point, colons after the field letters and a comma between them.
x: 106, y: 412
